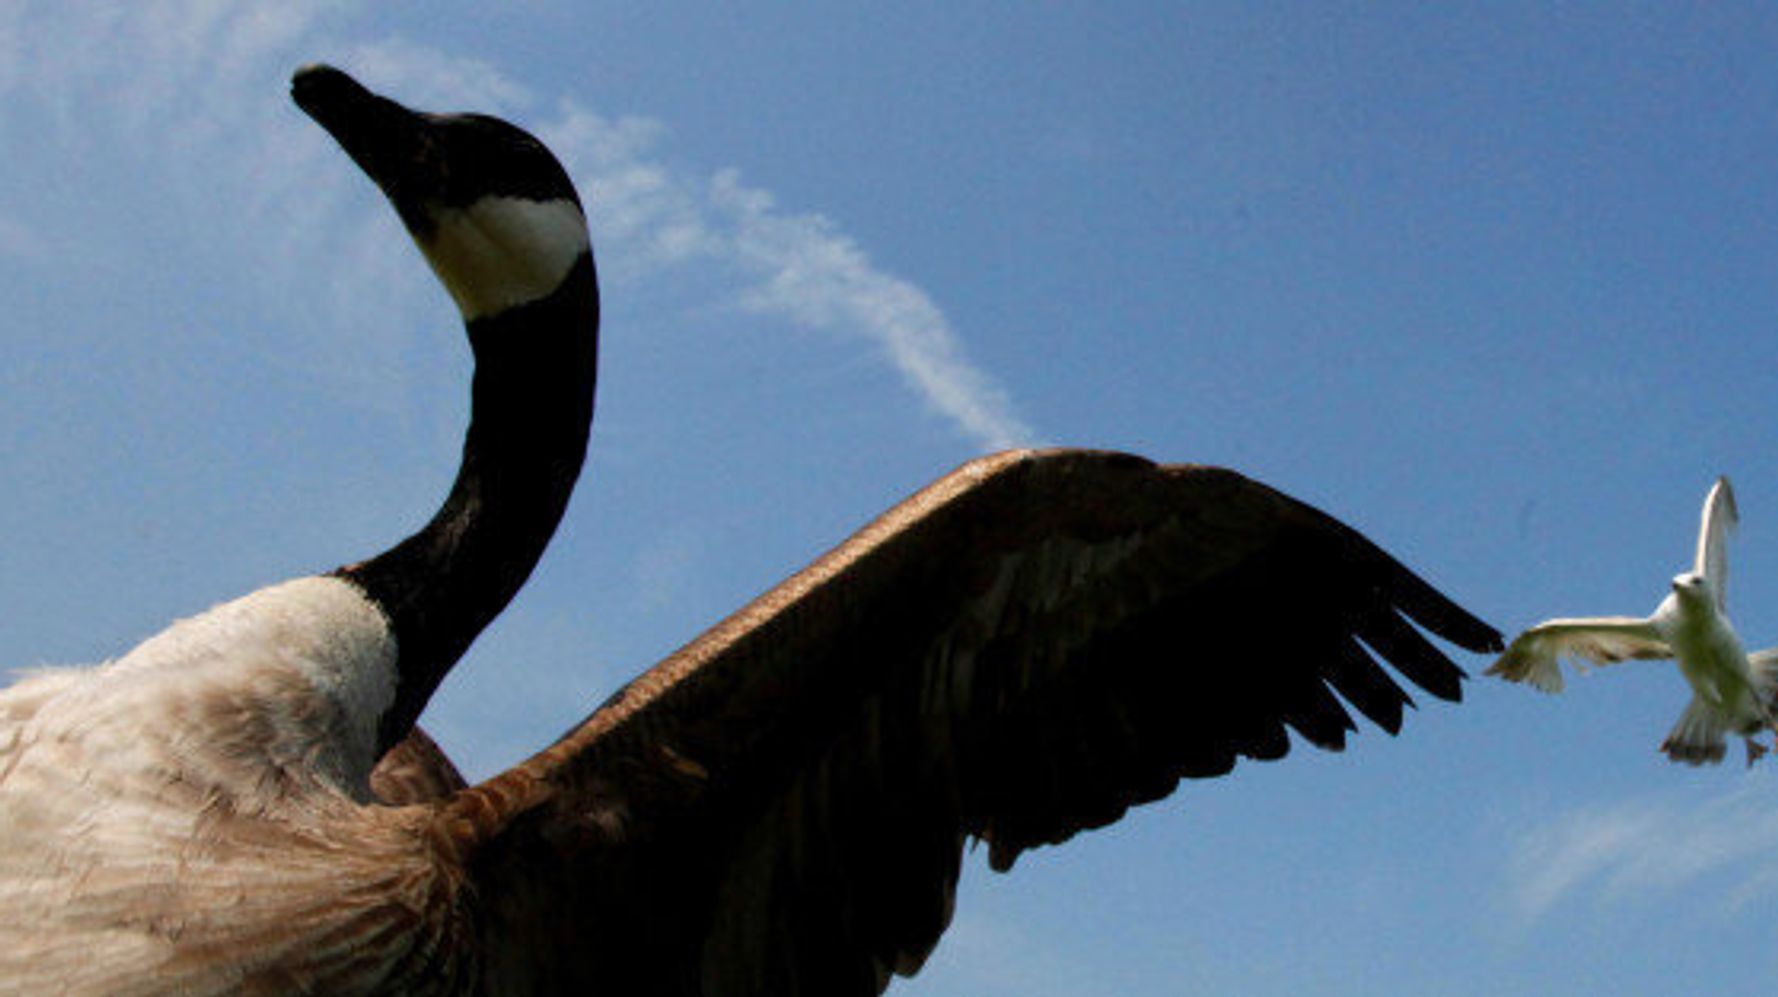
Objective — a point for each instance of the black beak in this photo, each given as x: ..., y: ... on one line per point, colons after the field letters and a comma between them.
x: 390, y: 143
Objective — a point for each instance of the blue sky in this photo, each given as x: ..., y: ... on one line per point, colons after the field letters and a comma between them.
x: 1492, y: 282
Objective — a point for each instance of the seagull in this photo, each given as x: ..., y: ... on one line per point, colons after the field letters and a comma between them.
x: 1732, y: 691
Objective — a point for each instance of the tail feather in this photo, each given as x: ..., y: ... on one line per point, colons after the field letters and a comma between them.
x: 1698, y: 737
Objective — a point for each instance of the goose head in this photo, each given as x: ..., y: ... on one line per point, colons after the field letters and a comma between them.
x: 489, y: 206
x: 499, y: 221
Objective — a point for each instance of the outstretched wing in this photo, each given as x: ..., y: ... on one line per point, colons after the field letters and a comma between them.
x: 1719, y: 520
x: 1534, y: 655
x: 1020, y: 651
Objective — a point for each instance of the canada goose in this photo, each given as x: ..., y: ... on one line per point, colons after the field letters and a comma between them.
x: 1732, y: 690
x: 1019, y: 651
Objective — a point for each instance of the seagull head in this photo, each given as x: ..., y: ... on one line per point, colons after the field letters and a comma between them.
x: 1690, y: 586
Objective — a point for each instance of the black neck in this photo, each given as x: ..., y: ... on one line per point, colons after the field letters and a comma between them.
x: 531, y: 407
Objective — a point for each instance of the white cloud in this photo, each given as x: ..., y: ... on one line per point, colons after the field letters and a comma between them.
x: 1715, y: 851
x: 823, y: 280
x: 199, y: 84
x: 800, y: 266
x: 427, y: 78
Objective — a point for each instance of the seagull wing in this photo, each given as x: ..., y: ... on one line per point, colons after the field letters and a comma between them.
x: 1719, y: 519
x: 1763, y: 666
x: 1602, y: 640
x: 1019, y: 652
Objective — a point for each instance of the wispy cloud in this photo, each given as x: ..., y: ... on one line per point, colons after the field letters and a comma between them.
x: 1710, y: 851
x: 800, y: 266
x: 823, y: 280
x: 194, y: 79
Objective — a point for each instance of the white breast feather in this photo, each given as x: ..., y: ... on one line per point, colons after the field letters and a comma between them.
x: 123, y: 787
x: 312, y: 656
x: 292, y: 677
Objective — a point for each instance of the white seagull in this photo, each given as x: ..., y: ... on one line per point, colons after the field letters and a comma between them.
x: 1732, y: 691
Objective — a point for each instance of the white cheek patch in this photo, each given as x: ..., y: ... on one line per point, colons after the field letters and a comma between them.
x: 504, y: 251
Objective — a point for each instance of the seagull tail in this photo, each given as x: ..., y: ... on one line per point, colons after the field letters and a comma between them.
x: 1698, y: 737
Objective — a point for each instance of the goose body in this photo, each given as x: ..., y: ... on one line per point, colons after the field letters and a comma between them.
x: 1018, y: 652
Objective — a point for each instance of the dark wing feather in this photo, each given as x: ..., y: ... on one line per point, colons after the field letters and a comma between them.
x: 1021, y: 651
x: 416, y: 770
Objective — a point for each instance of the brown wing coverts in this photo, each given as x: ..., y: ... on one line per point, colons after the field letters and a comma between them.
x: 416, y: 770
x: 1019, y: 652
